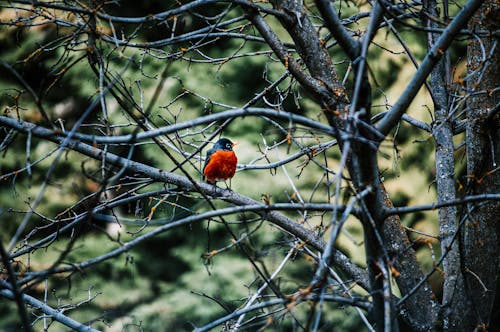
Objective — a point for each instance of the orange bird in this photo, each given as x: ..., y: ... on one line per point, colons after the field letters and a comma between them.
x: 221, y: 161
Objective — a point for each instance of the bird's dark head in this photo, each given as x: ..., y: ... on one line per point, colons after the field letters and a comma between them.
x: 224, y: 144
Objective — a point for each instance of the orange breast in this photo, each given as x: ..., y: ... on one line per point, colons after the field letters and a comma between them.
x: 221, y: 166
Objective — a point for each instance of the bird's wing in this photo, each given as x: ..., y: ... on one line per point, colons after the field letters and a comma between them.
x: 209, y: 153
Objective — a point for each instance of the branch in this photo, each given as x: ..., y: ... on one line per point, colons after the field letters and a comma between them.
x: 421, y: 282
x: 62, y: 145
x: 412, y: 121
x: 126, y: 246
x: 454, y: 289
x: 55, y: 314
x: 278, y: 219
x: 119, y: 19
x: 16, y: 293
x: 339, y: 299
x: 434, y: 206
x: 311, y: 84
x: 311, y: 151
x: 430, y: 60
x: 334, y: 24
x: 230, y: 114
x: 181, y: 39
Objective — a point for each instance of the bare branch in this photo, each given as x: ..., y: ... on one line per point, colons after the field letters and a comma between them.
x: 288, y: 225
x: 430, y: 60
x: 230, y: 114
x: 15, y: 292
x: 334, y: 24
x: 434, y: 206
x: 55, y: 314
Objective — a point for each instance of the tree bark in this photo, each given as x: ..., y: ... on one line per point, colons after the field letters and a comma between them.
x: 454, y: 295
x: 420, y: 311
x: 483, y: 152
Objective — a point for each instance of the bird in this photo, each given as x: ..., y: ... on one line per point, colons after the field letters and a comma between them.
x: 220, y: 163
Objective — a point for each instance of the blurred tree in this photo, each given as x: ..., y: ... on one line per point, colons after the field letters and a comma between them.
x: 109, y: 106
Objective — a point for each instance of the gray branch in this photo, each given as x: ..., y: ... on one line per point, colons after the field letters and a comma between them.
x: 430, y: 60
x: 334, y: 24
x: 48, y: 310
x: 230, y: 114
x: 290, y: 226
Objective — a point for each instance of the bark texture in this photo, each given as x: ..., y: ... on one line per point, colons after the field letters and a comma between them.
x: 483, y: 160
x: 454, y: 295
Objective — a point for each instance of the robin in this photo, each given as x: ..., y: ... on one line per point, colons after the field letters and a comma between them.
x: 220, y: 164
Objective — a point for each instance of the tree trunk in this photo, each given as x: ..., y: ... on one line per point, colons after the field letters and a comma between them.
x: 454, y: 303
x: 483, y: 158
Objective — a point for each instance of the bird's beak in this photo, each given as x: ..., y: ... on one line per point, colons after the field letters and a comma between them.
x: 235, y: 143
